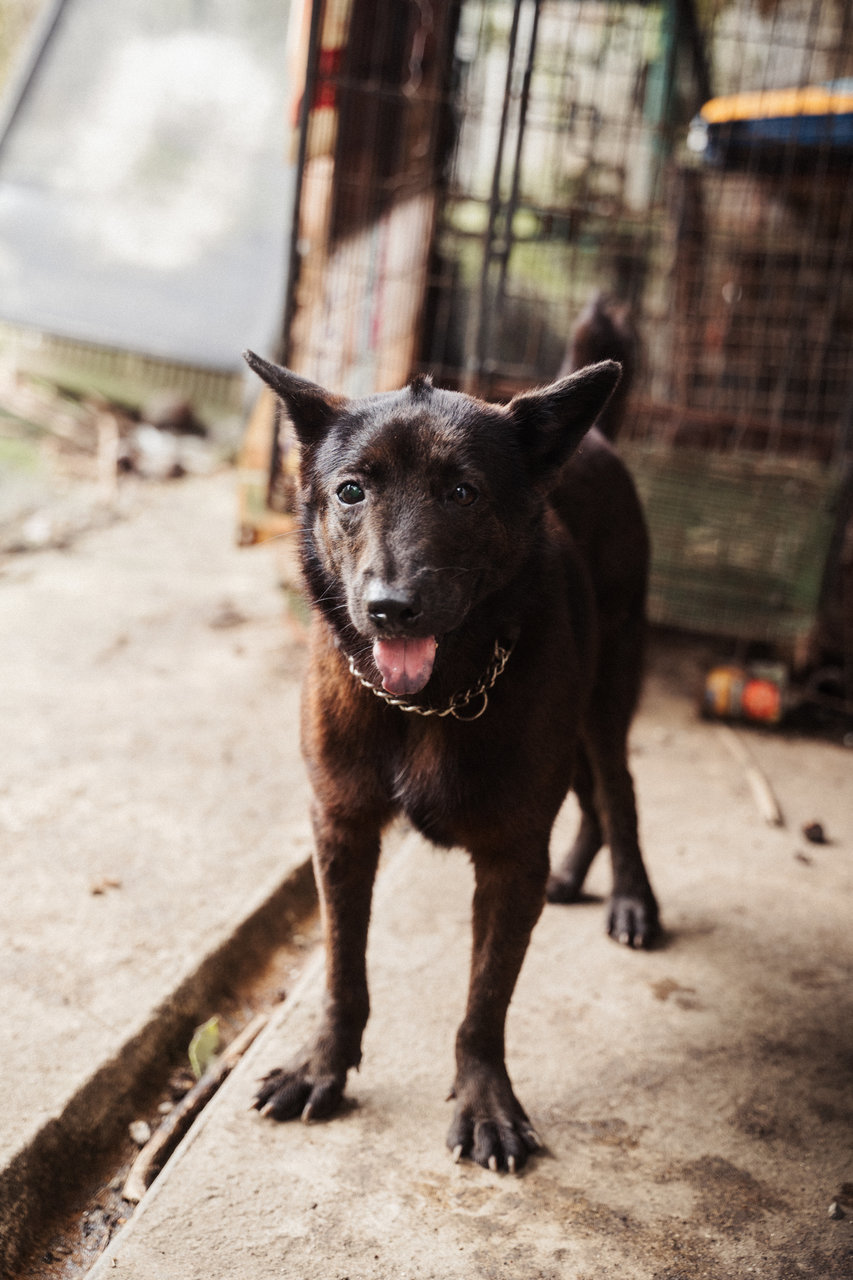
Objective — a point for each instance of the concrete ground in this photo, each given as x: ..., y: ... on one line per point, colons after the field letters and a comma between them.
x: 695, y: 1101
x: 151, y: 793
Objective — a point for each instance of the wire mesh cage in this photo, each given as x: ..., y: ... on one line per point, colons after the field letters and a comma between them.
x: 571, y: 174
x: 477, y: 172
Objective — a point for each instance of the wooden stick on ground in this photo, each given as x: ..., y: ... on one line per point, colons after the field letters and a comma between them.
x: 157, y: 1150
x: 762, y: 792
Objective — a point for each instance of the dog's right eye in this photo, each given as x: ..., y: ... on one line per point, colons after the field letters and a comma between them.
x: 464, y: 495
x: 350, y: 493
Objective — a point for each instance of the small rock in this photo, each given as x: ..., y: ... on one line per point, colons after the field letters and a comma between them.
x: 180, y: 1082
x: 835, y: 1211
x: 140, y: 1132
x: 227, y: 615
x: 101, y: 886
x: 814, y: 832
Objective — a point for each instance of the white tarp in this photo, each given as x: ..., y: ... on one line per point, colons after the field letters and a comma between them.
x: 145, y: 179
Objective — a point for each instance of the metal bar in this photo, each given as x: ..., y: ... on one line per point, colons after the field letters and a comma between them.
x: 474, y: 375
x: 318, y: 13
x: 690, y: 30
x: 512, y: 205
x: 294, y: 265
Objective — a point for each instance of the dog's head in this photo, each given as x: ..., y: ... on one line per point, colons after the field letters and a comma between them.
x: 419, y: 504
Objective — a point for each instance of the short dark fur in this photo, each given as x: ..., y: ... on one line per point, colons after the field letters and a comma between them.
x: 549, y: 556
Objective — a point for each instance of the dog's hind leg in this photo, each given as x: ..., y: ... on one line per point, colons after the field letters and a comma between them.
x: 633, y: 911
x: 566, y: 882
x: 605, y: 791
x: 632, y: 917
x: 312, y: 1085
x: 489, y: 1123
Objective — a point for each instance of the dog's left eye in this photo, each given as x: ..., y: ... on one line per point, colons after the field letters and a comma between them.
x: 464, y: 495
x: 350, y: 493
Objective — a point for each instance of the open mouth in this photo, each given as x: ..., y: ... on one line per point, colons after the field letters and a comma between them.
x: 404, y: 664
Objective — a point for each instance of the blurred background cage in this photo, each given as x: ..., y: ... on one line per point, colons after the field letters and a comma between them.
x: 473, y: 172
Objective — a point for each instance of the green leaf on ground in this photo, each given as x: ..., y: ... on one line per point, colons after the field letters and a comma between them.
x: 204, y: 1046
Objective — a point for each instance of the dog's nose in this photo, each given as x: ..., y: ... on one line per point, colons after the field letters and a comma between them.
x: 392, y: 609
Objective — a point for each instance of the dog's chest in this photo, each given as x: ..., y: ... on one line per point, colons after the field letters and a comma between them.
x: 454, y: 783
x: 433, y: 782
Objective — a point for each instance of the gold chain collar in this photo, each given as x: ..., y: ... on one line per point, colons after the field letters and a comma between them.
x: 500, y: 658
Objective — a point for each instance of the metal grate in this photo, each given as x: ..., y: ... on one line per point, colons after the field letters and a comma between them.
x: 571, y: 175
x: 477, y: 171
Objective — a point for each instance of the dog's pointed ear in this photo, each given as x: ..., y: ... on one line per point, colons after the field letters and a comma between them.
x: 552, y: 421
x: 311, y: 409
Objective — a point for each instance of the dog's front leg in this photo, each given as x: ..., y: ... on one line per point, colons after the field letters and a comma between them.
x: 489, y: 1123
x: 311, y: 1086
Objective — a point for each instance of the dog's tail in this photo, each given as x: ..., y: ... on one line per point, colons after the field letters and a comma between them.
x: 604, y: 331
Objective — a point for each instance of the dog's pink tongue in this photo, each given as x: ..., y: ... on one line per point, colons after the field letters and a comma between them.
x: 405, y: 665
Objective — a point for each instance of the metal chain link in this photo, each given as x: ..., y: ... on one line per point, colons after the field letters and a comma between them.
x: 500, y: 658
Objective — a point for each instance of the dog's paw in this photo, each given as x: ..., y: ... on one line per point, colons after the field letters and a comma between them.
x: 490, y: 1126
x: 633, y: 920
x: 287, y: 1093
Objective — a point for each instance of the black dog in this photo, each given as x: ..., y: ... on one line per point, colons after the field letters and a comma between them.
x: 477, y: 574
